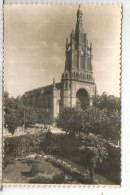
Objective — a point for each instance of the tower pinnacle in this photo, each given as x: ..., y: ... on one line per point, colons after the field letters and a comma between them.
x: 79, y: 12
x: 79, y: 25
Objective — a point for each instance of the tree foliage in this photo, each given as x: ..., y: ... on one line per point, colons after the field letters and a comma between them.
x: 101, y: 122
x: 18, y: 114
x: 109, y: 102
x: 94, y: 148
x: 93, y: 120
x: 70, y: 120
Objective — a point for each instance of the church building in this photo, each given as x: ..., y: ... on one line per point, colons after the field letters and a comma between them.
x: 77, y: 86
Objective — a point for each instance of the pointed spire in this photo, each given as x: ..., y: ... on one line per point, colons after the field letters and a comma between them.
x: 79, y: 12
x: 79, y: 25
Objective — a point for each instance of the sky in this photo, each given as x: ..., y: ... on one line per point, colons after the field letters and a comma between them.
x: 34, y: 44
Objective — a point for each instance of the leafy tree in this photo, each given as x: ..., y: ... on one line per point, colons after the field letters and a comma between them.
x: 10, y: 121
x: 101, y: 122
x: 11, y: 113
x: 70, y: 120
x: 93, y: 120
x: 18, y: 114
x: 110, y: 102
x: 94, y: 148
x: 43, y: 117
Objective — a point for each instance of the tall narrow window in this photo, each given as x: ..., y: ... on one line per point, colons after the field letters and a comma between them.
x: 82, y: 61
x: 75, y: 60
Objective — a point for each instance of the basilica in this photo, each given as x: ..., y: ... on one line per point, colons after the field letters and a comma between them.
x: 77, y: 86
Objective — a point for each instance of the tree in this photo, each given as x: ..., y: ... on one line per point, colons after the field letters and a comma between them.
x: 11, y: 112
x: 110, y: 102
x: 94, y: 148
x: 93, y: 120
x: 101, y: 122
x: 43, y: 117
x: 70, y: 120
x: 17, y: 114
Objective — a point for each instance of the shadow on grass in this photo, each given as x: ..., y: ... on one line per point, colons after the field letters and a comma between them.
x: 27, y: 174
x: 56, y: 179
x: 41, y: 180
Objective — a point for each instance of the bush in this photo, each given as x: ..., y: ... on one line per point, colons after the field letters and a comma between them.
x: 111, y: 167
x: 20, y: 146
x: 60, y: 144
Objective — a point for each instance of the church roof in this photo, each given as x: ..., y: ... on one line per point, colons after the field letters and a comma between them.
x: 40, y: 89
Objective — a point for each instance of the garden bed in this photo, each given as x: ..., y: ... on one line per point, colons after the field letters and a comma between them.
x: 24, y: 171
x: 82, y: 177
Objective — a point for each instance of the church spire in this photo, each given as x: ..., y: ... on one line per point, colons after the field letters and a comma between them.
x: 79, y: 25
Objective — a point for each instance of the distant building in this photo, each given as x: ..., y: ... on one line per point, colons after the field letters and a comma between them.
x: 77, y: 86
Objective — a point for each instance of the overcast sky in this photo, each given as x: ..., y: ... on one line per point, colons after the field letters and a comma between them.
x: 34, y: 44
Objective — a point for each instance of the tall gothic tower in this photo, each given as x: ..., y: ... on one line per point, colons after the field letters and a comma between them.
x: 78, y: 86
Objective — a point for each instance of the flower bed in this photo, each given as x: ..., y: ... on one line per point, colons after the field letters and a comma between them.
x: 78, y: 175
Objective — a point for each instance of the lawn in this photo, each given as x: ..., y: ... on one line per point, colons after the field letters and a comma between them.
x: 20, y: 172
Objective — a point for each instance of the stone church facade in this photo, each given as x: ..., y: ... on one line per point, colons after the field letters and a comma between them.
x: 77, y: 86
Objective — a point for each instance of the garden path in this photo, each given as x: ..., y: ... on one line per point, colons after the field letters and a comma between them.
x: 56, y: 130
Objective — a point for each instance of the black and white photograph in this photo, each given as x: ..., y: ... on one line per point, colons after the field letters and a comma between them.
x: 62, y: 106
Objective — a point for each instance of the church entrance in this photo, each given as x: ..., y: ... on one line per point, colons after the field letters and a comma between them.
x: 82, y: 99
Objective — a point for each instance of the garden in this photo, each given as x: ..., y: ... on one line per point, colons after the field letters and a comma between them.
x: 84, y: 153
